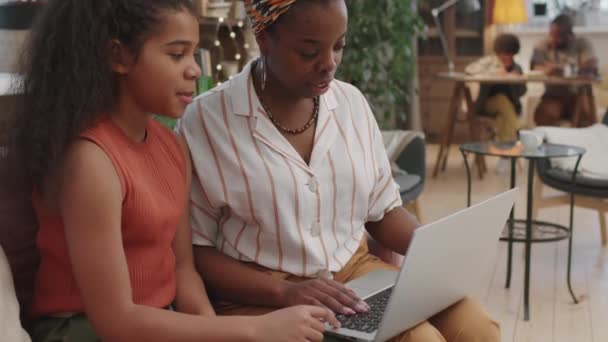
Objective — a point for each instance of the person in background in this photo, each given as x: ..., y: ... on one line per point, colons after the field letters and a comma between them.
x: 111, y: 185
x: 290, y: 171
x: 560, y: 52
x: 500, y: 100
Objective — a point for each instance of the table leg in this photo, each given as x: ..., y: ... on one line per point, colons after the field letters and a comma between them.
x: 571, y: 229
x: 474, y: 130
x: 454, y: 108
x: 578, y: 107
x: 466, y: 164
x: 585, y: 105
x: 444, y: 148
x: 511, y: 224
x: 485, y: 166
x: 591, y: 102
x: 471, y: 115
x: 532, y: 164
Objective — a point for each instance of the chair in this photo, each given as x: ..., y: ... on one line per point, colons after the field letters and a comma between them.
x: 407, y: 153
x: 411, y: 161
x: 19, y: 15
x: 591, y: 193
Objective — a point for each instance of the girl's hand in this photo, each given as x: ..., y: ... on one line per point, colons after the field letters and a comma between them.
x: 297, y: 323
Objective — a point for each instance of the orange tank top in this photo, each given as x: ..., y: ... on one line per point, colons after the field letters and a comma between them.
x: 152, y: 178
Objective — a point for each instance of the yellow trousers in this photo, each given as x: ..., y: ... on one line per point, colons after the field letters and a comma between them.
x: 464, y: 321
x: 503, y: 109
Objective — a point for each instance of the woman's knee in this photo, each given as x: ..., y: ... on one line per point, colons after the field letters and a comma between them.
x: 467, y: 321
x: 477, y: 324
x: 423, y: 332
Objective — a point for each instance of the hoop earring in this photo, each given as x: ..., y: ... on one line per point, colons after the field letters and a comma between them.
x: 263, y: 71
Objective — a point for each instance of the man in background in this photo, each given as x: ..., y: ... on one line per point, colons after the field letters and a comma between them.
x: 560, y: 52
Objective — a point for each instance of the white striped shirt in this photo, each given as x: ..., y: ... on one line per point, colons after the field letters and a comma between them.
x: 256, y: 200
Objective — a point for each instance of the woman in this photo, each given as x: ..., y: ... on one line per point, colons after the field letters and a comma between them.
x: 289, y: 166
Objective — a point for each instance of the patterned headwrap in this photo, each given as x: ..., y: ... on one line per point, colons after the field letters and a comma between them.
x: 265, y: 12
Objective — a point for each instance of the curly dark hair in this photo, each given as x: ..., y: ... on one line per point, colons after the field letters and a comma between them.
x: 564, y: 22
x: 506, y: 43
x: 67, y: 76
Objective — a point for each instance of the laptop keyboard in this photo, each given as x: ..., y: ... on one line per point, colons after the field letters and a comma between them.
x: 367, y: 321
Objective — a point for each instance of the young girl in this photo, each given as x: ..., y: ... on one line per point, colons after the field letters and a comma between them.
x: 110, y: 185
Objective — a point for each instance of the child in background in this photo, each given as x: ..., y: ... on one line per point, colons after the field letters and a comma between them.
x: 111, y: 185
x: 500, y: 100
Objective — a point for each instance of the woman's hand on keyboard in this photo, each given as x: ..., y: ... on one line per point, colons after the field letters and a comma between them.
x: 325, y: 293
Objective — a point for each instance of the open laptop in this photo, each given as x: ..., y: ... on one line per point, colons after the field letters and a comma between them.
x: 444, y: 263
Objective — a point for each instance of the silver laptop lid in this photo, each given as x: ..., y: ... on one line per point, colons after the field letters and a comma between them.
x: 444, y: 263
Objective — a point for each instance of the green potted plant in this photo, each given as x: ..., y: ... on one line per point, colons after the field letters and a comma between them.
x: 19, y: 15
x: 380, y: 57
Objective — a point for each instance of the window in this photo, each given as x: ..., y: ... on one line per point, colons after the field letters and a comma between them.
x: 587, y: 12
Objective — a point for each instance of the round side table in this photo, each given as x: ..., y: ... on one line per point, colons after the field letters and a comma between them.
x: 527, y: 231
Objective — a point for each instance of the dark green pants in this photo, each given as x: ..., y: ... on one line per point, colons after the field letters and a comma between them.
x: 76, y: 328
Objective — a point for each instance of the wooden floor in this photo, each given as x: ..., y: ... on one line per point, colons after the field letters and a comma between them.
x: 553, y: 315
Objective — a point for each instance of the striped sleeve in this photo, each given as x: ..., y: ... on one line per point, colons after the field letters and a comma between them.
x: 204, y: 215
x: 385, y: 191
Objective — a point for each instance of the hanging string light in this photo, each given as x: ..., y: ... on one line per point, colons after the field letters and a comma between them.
x: 220, y: 50
x: 241, y: 50
x: 232, y: 35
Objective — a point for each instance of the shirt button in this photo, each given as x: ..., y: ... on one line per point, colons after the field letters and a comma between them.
x: 315, y: 229
x: 325, y: 274
x: 313, y: 186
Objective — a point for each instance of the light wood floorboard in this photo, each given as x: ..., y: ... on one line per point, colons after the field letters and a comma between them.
x: 554, y: 316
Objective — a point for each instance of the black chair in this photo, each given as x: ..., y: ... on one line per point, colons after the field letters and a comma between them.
x: 591, y: 193
x: 19, y: 15
x: 413, y: 161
